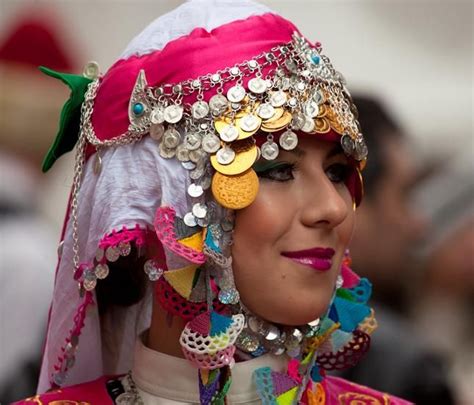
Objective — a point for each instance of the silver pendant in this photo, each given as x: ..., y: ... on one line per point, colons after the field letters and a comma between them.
x: 278, y: 98
x: 211, y: 143
x: 157, y: 131
x: 199, y: 210
x: 249, y: 123
x: 182, y: 153
x: 288, y: 140
x: 308, y: 125
x: 199, y: 110
x: 91, y: 70
x: 112, y: 254
x: 266, y: 111
x: 318, y: 97
x: 247, y: 342
x: 218, y: 104
x: 269, y: 150
x: 99, y: 254
x: 171, y: 138
x: 297, y: 121
x: 124, y: 248
x: 192, y: 141
x: 273, y: 333
x: 225, y: 155
x: 195, y: 155
x: 173, y: 113
x: 236, y: 94
x: 203, y: 222
x: 301, y: 86
x: 90, y: 281
x: 157, y: 116
x: 190, y: 220
x: 257, y: 85
x: 347, y: 144
x: 154, y: 273
x: 197, y: 173
x: 166, y: 152
x: 188, y: 165
x: 311, y: 109
x: 360, y: 151
x: 292, y: 102
x: 101, y: 271
x: 229, y: 133
x: 195, y: 190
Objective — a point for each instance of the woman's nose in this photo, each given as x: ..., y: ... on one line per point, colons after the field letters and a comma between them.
x: 324, y: 203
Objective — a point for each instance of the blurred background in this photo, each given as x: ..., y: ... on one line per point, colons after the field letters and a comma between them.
x: 409, y: 65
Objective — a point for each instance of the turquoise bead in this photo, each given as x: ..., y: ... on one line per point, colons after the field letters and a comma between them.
x: 316, y: 59
x: 138, y: 108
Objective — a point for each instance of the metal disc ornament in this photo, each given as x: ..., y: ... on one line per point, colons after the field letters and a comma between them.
x: 190, y: 220
x: 288, y: 140
x: 308, y: 125
x: 195, y: 190
x: 311, y: 109
x: 278, y: 98
x: 157, y: 115
x: 236, y: 94
x: 171, y: 138
x: 257, y: 85
x: 229, y: 133
x: 192, y: 141
x: 270, y: 150
x: 266, y: 111
x: 101, y: 271
x: 347, y: 144
x: 249, y: 122
x: 225, y: 156
x: 157, y: 131
x: 218, y: 104
x: 165, y: 152
x: 173, y: 113
x: 210, y: 143
x: 200, y: 109
x: 235, y: 192
x: 199, y: 210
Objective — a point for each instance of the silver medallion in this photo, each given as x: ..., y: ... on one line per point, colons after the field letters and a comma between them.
x: 192, y: 141
x: 203, y: 222
x: 257, y: 85
x: 273, y: 333
x: 308, y: 125
x: 199, y: 210
x: 347, y: 144
x: 101, y: 271
x: 195, y: 190
x: 256, y: 325
x: 91, y: 70
x: 152, y: 271
x: 112, y: 253
x: 171, y: 138
x: 157, y: 131
x: 199, y: 110
x: 90, y: 281
x: 236, y: 94
x: 288, y: 140
x: 165, y: 152
x: 360, y: 150
x: 173, y: 113
x: 157, y: 116
x: 292, y: 102
x: 229, y: 133
x: 311, y: 109
x: 266, y: 111
x: 197, y: 173
x: 247, y: 342
x: 188, y: 165
x: 195, y: 155
x: 269, y: 150
x: 211, y: 143
x: 278, y: 98
x: 249, y: 123
x: 216, y: 78
x: 124, y: 248
x: 99, y: 254
x: 318, y: 97
x: 225, y: 155
x: 297, y: 121
x: 182, y: 153
x: 301, y: 86
x: 205, y: 182
x: 190, y: 220
x: 218, y: 104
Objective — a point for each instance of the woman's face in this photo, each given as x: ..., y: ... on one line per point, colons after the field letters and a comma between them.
x: 289, y: 243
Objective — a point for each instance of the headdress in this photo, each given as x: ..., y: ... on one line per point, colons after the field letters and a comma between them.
x: 166, y: 141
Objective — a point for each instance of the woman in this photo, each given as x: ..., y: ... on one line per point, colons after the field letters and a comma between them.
x: 220, y: 155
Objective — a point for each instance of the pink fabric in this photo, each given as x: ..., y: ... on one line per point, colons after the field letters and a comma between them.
x: 93, y: 393
x: 351, y: 279
x: 196, y: 54
x: 340, y: 391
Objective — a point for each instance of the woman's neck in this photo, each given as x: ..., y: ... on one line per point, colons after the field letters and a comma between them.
x: 165, y: 332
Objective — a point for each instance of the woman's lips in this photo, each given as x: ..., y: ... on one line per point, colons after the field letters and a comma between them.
x: 318, y: 258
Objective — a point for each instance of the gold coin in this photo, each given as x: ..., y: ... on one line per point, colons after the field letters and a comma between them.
x: 277, y: 125
x: 246, y: 154
x: 235, y: 192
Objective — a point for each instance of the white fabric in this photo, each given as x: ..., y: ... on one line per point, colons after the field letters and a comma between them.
x: 133, y: 183
x: 207, y: 14
x: 167, y: 380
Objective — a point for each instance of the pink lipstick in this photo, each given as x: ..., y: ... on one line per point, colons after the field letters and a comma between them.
x: 318, y: 258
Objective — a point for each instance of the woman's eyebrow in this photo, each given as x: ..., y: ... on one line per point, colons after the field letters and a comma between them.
x: 336, y: 150
x: 298, y: 152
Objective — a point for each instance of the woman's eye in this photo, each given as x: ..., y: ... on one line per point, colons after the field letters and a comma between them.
x: 338, y: 172
x: 280, y: 172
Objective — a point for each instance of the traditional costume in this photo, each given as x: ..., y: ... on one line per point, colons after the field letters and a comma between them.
x: 166, y: 145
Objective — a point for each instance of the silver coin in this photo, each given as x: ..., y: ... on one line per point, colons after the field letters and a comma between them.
x: 266, y: 111
x: 101, y: 271
x: 171, y: 138
x: 273, y: 333
x: 301, y: 86
x: 292, y: 102
x: 182, y: 153
x: 211, y: 143
x: 229, y: 133
x: 165, y: 152
x: 252, y: 64
x: 173, y: 113
x: 247, y: 342
x: 278, y: 351
x: 59, y: 378
x: 297, y: 121
x: 91, y: 70
x: 199, y: 109
x: 308, y: 125
x: 249, y: 123
x: 205, y: 183
x: 318, y: 97
x: 195, y: 190
x: 188, y: 165
x: 270, y: 150
x: 257, y: 85
x: 199, y: 210
x: 190, y: 220
x: 288, y: 140
x: 99, y: 254
x: 314, y: 323
x: 192, y: 141
x: 112, y: 253
x: 155, y: 273
x: 285, y: 83
x: 225, y: 156
x: 195, y: 155
x: 157, y: 131
x: 278, y: 98
x: 347, y: 144
x: 236, y: 94
x: 196, y: 173
x: 157, y: 116
x: 124, y: 248
x: 218, y: 103
x: 360, y: 149
x: 311, y: 109
x: 203, y: 222
x: 90, y: 281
